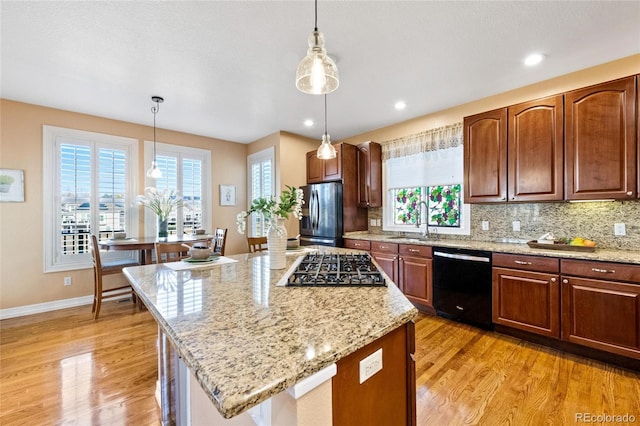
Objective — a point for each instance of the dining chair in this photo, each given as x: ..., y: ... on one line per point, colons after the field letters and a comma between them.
x: 257, y: 244
x: 170, y: 252
x: 101, y: 268
x: 219, y: 241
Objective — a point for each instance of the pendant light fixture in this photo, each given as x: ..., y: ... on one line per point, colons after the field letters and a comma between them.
x: 326, y: 151
x: 317, y: 73
x: 154, y: 172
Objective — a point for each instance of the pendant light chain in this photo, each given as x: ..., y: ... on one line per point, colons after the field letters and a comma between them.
x: 325, y: 114
x: 316, y: 21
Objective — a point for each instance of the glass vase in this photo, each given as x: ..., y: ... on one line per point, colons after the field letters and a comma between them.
x: 277, y: 244
x: 163, y: 227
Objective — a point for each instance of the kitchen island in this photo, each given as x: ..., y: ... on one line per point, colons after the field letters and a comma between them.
x: 241, y: 340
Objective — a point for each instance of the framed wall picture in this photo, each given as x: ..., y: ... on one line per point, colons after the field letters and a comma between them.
x: 227, y: 195
x: 11, y: 185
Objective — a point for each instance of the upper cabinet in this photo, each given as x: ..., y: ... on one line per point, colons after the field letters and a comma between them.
x: 534, y: 150
x: 578, y: 146
x: 485, y: 157
x: 369, y: 174
x: 600, y: 141
x: 319, y: 170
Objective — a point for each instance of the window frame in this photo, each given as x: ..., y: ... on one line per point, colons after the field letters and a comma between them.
x: 181, y: 152
x: 388, y: 213
x: 51, y: 176
x: 259, y: 157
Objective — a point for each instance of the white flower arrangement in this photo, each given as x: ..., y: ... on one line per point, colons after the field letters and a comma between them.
x: 161, y: 202
x: 290, y: 201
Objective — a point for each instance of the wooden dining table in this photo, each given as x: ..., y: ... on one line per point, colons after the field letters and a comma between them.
x: 146, y: 244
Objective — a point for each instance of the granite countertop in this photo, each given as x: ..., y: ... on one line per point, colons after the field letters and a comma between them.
x: 511, y: 246
x: 246, y: 340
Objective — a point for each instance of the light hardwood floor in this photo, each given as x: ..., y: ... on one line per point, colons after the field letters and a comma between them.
x: 64, y: 368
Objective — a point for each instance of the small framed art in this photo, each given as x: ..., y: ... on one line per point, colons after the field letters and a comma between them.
x: 11, y: 185
x: 227, y: 195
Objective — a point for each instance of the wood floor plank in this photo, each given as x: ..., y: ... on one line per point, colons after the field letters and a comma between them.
x: 63, y: 368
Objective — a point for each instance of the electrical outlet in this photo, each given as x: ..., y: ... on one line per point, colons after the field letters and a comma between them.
x: 372, y: 222
x: 516, y: 225
x: 378, y: 222
x: 619, y: 229
x: 485, y: 225
x: 67, y: 281
x: 370, y: 365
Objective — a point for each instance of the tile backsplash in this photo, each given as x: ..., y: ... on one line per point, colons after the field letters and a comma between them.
x: 593, y: 220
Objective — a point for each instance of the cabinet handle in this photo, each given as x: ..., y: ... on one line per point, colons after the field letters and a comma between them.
x: 383, y: 247
x: 629, y: 193
x: 604, y: 271
x: 565, y: 281
x: 553, y: 280
x: 521, y: 262
x: 414, y: 250
x: 503, y: 198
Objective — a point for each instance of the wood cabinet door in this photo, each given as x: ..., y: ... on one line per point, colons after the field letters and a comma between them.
x: 314, y: 168
x: 485, y: 157
x: 527, y: 301
x: 415, y: 276
x: 602, y: 314
x: 333, y: 167
x: 389, y: 264
x: 369, y: 174
x: 600, y: 141
x: 535, y: 150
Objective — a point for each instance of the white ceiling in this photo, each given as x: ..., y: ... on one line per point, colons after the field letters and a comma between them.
x: 226, y: 68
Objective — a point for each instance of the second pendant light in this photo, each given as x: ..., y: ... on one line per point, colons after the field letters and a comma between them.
x: 326, y: 150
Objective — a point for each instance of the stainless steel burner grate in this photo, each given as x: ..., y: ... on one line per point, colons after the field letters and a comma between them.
x: 324, y: 269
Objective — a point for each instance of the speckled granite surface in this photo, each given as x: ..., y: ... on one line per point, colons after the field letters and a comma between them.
x: 606, y: 255
x: 246, y: 340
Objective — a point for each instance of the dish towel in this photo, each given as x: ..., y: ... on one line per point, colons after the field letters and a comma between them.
x: 182, y: 266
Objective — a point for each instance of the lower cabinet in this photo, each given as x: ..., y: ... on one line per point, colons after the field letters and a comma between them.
x: 415, y: 270
x: 386, y: 255
x: 601, y: 314
x: 526, y: 293
x: 388, y: 397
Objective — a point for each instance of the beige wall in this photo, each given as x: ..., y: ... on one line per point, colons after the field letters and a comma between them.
x: 22, y: 281
x: 598, y: 74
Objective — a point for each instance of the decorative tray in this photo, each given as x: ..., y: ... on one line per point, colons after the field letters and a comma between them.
x: 559, y: 246
x: 207, y: 259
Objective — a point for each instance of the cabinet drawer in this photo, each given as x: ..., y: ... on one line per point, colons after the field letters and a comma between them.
x: 527, y: 263
x: 601, y: 270
x: 358, y: 244
x: 384, y: 247
x: 415, y: 250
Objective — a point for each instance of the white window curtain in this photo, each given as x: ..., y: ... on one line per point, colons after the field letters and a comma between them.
x: 433, y: 157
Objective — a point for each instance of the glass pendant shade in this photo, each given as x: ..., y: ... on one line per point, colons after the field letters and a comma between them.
x: 326, y: 151
x: 154, y: 172
x: 317, y: 73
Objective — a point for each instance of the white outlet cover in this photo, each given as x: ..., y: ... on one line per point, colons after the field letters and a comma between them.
x: 619, y: 229
x: 485, y: 225
x: 516, y: 225
x: 370, y: 365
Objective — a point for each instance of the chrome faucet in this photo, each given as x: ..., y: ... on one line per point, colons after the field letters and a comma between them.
x: 425, y: 233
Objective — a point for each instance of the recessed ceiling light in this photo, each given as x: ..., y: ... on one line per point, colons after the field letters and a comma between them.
x: 400, y: 105
x: 308, y: 122
x: 533, y: 59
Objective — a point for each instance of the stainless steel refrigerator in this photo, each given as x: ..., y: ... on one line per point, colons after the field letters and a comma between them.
x: 322, y: 215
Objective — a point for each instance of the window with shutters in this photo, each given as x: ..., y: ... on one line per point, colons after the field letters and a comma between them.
x: 261, y: 184
x: 88, y: 189
x: 188, y: 172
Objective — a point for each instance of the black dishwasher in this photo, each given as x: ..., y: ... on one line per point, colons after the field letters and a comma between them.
x: 462, y: 285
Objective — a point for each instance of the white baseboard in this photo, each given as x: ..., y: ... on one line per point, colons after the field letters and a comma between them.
x: 38, y: 308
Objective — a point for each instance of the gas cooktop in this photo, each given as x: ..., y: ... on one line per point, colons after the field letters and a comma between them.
x: 330, y: 269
